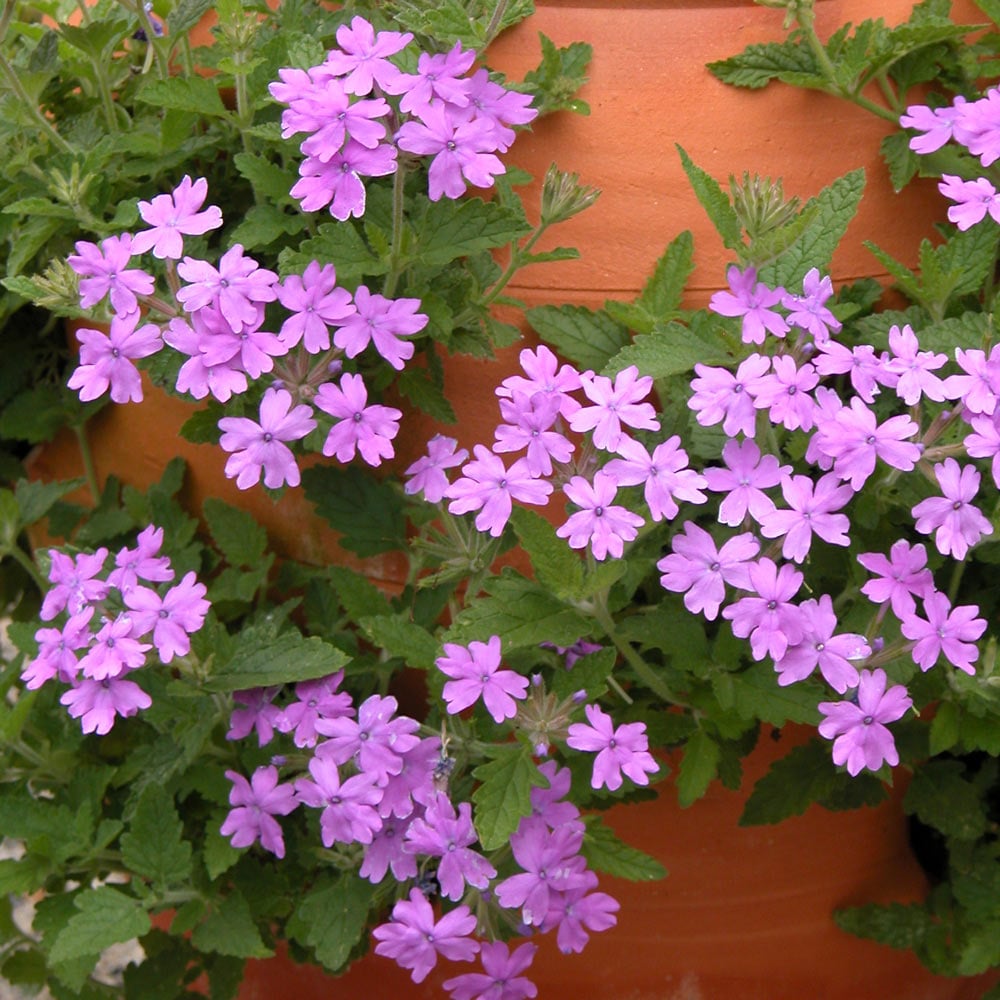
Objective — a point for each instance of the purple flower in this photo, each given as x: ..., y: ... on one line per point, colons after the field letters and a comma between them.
x: 615, y: 403
x: 318, y: 699
x: 948, y: 630
x: 498, y: 106
x: 488, y: 486
x: 443, y: 833
x: 57, y: 649
x: 746, y: 476
x: 337, y: 182
x: 415, y: 781
x: 501, y: 978
x: 721, y: 396
x: 75, y: 582
x: 173, y: 216
x: 115, y: 650
x: 624, y: 748
x: 349, y: 815
x: 382, y: 322
x: 979, y: 387
x: 785, y: 393
x: 914, y: 367
x: 664, y: 475
x: 414, y: 940
x: 528, y: 422
x: 812, y: 505
x: 236, y: 287
x: 97, y: 703
x: 808, y: 311
x: 257, y: 713
x: 751, y: 300
x: 475, y: 674
x: 196, y: 376
x: 427, y: 475
x: 973, y: 200
x: 700, y: 571
x: 386, y: 851
x: 255, y: 804
x: 900, y: 577
x: 438, y: 82
x: 359, y: 427
x: 106, y: 359
x: 259, y: 447
x: 770, y: 619
x: 104, y: 271
x: 141, y: 563
x: 860, y: 737
x: 542, y: 373
x: 332, y: 118
x: 377, y: 740
x: 985, y: 442
x: 363, y: 57
x: 958, y: 525
x: 602, y: 524
x: 548, y: 803
x: 316, y: 303
x: 867, y: 370
x: 572, y: 910
x: 937, y: 124
x: 172, y: 618
x: 821, y: 647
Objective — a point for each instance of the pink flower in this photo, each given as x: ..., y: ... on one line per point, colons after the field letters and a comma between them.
x: 721, y: 397
x: 501, y: 977
x: 474, y: 672
x: 603, y: 525
x: 172, y: 618
x: 359, y: 427
x: 173, y: 216
x: 752, y: 300
x: 236, y: 287
x: 900, y: 577
x: 615, y: 403
x: 426, y: 475
x: 770, y: 619
x: 914, y: 367
x: 97, y: 703
x: 812, y: 513
x: 664, y: 475
x: 106, y: 359
x: 363, y: 57
x: 255, y: 804
x: 957, y: 524
x: 621, y: 749
x: 948, y: 630
x: 316, y: 303
x: 746, y: 476
x: 382, y: 322
x: 103, y: 271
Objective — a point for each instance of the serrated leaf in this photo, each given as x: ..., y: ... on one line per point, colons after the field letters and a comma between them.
x: 716, y: 203
x: 426, y: 395
x: 286, y: 659
x: 556, y: 566
x: 664, y: 289
x: 219, y: 855
x: 606, y: 853
x: 106, y: 917
x: 230, y: 930
x: 504, y: 794
x: 590, y: 673
x: 524, y: 613
x: 449, y: 230
x: 940, y: 796
x: 589, y: 339
x: 671, y: 349
x: 331, y: 917
x: 357, y: 595
x: 154, y: 845
x: 35, y: 498
x: 264, y: 224
x: 236, y: 533
x: 896, y: 925
x: 368, y: 513
x: 757, y: 65
x: 699, y: 766
x: 405, y: 639
x: 944, y: 731
x: 186, y: 15
x: 900, y: 159
x: 184, y: 93
x: 339, y: 244
x: 268, y: 179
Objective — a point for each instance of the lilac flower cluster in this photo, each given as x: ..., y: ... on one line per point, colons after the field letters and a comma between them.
x: 359, y: 110
x: 102, y: 610
x: 975, y: 125
x: 380, y: 785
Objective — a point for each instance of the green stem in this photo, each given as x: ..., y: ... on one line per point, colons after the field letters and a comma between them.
x: 642, y: 669
x: 28, y: 565
x: 494, y: 26
x: 21, y: 94
x: 87, y: 457
x: 396, y: 249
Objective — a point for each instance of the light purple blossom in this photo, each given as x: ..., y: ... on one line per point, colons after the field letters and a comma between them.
x: 900, y: 577
x: 173, y: 216
x: 936, y: 124
x: 785, y: 393
x: 254, y: 709
x: 488, y: 486
x: 98, y: 703
x: 349, y: 815
x: 338, y: 183
x: 600, y: 523
x: 984, y: 442
x: 316, y: 304
x: 947, y: 630
x: 811, y: 512
x: 104, y: 271
x: 973, y: 200
x: 501, y: 977
x: 664, y: 475
x: 614, y: 404
x: 746, y: 476
x: 141, y: 563
x: 382, y: 322
x: 76, y: 582
x: 255, y: 804
x: 106, y: 359
x: 914, y: 367
x: 427, y: 474
x: 808, y: 311
x: 362, y: 57
x: 366, y: 429
x: 438, y: 82
x: 868, y: 371
x: 542, y: 373
x: 771, y: 620
x: 577, y: 910
x: 621, y: 749
x: 751, y: 300
x: 475, y: 673
x: 956, y: 523
x: 414, y: 939
x: 115, y: 650
x: 172, y: 618
x: 259, y: 448
x: 528, y: 423
x: 721, y: 397
x: 236, y: 287
x: 979, y: 387
x: 57, y: 649
x: 316, y: 699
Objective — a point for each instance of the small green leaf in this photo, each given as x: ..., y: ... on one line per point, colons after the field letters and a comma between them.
x: 236, y: 533
x: 184, y: 93
x: 556, y: 565
x: 331, y: 917
x: 589, y: 339
x: 671, y: 349
x: 286, y: 659
x: 896, y: 925
x: 606, y: 853
x: 503, y: 797
x: 941, y: 796
x: 448, y: 230
x: 945, y: 730
x: 107, y: 916
x: 699, y: 766
x: 402, y: 638
x: 757, y: 65
x: 154, y: 846
x: 230, y: 930
x: 716, y: 203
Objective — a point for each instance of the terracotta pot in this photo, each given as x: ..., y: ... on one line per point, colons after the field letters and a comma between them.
x: 744, y: 913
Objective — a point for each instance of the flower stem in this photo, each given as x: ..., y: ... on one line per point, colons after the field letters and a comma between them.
x: 87, y: 456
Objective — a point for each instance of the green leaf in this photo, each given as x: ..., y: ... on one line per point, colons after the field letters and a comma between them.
x: 286, y: 659
x: 671, y: 349
x: 716, y: 203
x: 606, y: 853
x: 154, y: 846
x: 699, y: 766
x: 269, y: 180
x: 264, y: 224
x: 590, y: 673
x: 35, y: 498
x: 331, y: 917
x: 757, y: 695
x: 944, y: 728
x: 831, y: 212
x: 589, y: 339
x: 426, y: 394
x: 402, y: 638
x: 339, y: 244
x: 559, y: 76
x: 524, y: 613
x: 448, y: 230
x: 664, y: 290
x: 368, y: 513
x: 968, y: 331
x: 896, y: 925
x: 940, y: 796
x: 757, y: 65
x: 902, y: 162
x: 98, y: 38
x: 557, y: 567
x: 236, y: 533
x: 503, y: 797
x: 186, y: 15
x: 184, y: 93
x: 357, y: 595
x: 107, y: 916
x: 219, y: 854
x: 230, y: 930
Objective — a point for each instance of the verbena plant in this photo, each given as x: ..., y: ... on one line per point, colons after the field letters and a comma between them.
x: 777, y: 510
